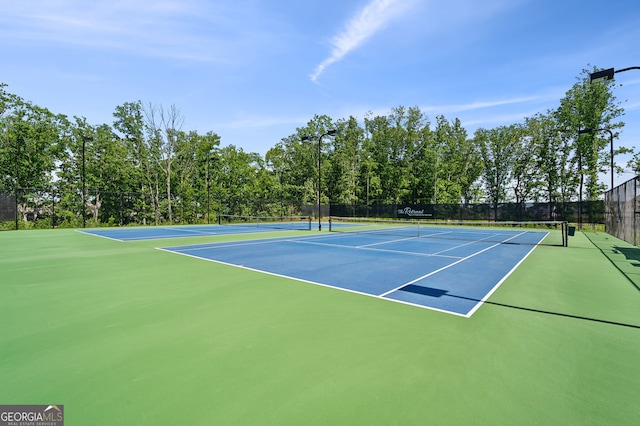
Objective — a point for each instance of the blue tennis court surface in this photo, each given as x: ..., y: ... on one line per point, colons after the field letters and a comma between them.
x: 452, y: 276
x: 183, y: 231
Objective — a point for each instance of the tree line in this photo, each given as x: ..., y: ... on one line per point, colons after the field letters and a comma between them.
x: 144, y: 168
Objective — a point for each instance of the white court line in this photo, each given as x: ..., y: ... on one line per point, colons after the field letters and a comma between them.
x: 411, y: 253
x: 431, y: 308
x: 306, y: 240
x: 387, y: 242
x: 98, y: 235
x: 245, y: 243
x: 145, y: 238
x: 303, y: 240
x: 480, y: 240
x: 181, y: 233
x: 438, y: 233
x: 498, y: 284
x: 446, y: 267
x: 252, y: 242
x: 223, y: 245
x: 186, y: 231
x: 309, y: 240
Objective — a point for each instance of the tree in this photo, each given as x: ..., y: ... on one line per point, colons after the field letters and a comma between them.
x: 524, y: 172
x: 369, y: 181
x: 162, y: 173
x: 164, y: 127
x: 397, y: 149
x: 588, y: 106
x: 497, y: 149
x: 130, y: 123
x: 32, y: 139
x: 236, y: 172
x: 108, y: 174
x: 342, y: 179
x: 457, y: 162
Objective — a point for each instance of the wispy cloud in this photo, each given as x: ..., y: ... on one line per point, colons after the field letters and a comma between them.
x: 441, y: 109
x: 187, y: 29
x: 371, y: 19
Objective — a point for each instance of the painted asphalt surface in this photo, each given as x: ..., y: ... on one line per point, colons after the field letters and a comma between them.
x: 449, y: 275
x: 181, y: 231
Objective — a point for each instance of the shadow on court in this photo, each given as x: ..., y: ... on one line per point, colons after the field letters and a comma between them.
x: 630, y: 253
x: 438, y: 293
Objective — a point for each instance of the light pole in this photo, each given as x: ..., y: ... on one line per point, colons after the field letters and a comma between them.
x: 581, y: 181
x: 581, y: 132
x: 610, y: 143
x: 607, y: 74
x: 209, y: 159
x: 84, y: 216
x: 331, y: 132
x: 279, y: 173
x: 285, y: 170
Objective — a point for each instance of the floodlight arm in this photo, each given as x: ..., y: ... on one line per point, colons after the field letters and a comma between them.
x: 627, y: 69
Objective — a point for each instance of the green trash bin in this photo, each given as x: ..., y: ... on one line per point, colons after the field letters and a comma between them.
x: 571, y: 231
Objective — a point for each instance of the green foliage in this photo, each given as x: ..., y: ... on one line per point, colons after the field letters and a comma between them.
x: 588, y: 106
x: 144, y: 169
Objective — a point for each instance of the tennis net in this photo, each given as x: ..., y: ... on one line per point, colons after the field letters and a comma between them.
x: 273, y: 222
x: 552, y: 233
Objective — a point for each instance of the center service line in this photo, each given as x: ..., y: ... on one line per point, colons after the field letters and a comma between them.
x: 446, y: 267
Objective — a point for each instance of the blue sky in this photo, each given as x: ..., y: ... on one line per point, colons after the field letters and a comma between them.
x: 253, y: 71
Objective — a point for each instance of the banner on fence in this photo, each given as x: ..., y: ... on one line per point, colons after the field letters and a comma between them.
x: 415, y: 211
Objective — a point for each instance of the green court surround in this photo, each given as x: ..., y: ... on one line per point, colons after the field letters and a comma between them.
x: 123, y: 334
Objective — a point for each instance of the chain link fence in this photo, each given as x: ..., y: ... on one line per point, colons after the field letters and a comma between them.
x: 591, y: 212
x: 622, y: 206
x: 31, y: 208
x: 34, y: 208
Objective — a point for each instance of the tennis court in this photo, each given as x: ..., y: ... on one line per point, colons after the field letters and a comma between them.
x: 232, y: 225
x: 453, y: 270
x: 123, y: 333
